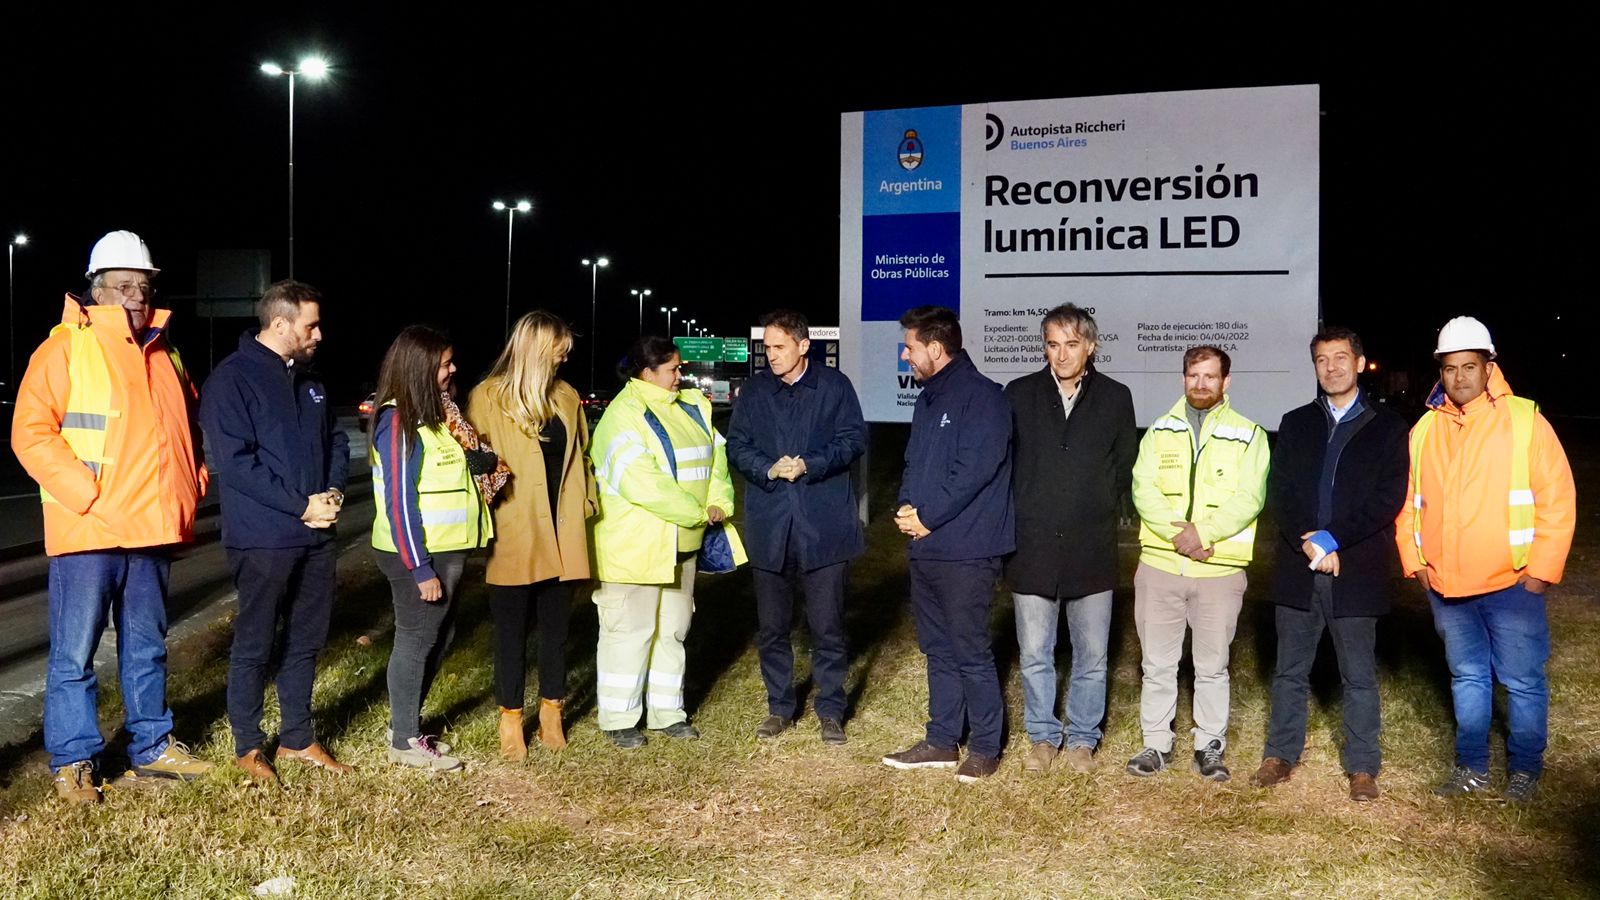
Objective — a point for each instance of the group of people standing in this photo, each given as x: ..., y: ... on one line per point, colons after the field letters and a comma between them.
x: 1478, y: 504
x: 1027, y: 483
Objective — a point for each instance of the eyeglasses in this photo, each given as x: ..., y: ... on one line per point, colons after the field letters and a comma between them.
x: 133, y: 289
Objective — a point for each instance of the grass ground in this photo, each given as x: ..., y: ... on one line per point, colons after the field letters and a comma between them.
x: 728, y: 816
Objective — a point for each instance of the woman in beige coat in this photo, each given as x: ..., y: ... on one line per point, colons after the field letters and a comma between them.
x: 534, y: 421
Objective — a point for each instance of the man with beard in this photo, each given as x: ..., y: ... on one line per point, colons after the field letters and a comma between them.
x: 1198, y: 484
x: 282, y: 464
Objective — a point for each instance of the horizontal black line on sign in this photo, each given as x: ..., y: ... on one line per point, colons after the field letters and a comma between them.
x: 1132, y: 274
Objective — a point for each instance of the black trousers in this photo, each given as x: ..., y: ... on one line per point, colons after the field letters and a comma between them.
x: 293, y: 585
x: 830, y: 658
x: 513, y: 608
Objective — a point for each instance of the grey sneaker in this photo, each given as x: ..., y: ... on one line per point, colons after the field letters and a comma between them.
x: 772, y: 726
x: 1148, y: 762
x: 1208, y: 762
x: 424, y: 753
x: 441, y: 746
x: 683, y: 731
x: 1520, y: 788
x: 1463, y: 781
x: 923, y: 755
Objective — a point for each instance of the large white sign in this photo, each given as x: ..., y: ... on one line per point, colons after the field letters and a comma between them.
x: 1177, y: 218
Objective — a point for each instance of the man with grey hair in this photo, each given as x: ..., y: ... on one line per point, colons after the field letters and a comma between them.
x: 282, y: 461
x: 1073, y: 444
x: 104, y: 423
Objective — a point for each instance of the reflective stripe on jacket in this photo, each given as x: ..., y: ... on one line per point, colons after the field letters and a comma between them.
x: 648, y: 516
x: 449, y: 506
x: 1222, y: 492
x: 1490, y: 494
x: 105, y: 424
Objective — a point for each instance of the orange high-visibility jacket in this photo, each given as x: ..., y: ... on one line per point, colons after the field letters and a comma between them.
x: 145, y: 491
x: 1466, y: 485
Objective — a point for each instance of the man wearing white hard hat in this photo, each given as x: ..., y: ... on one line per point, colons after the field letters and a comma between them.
x: 1485, y: 530
x: 105, y: 423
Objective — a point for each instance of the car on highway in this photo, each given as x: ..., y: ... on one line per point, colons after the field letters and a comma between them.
x: 364, y: 410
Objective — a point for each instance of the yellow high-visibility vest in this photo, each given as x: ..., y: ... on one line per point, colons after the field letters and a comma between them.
x: 90, y: 414
x: 453, y: 513
x: 1519, y: 502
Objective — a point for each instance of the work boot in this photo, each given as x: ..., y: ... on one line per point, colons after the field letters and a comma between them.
x: 550, y: 733
x: 1040, y: 757
x: 175, y: 761
x: 513, y: 745
x: 1079, y: 759
x: 1363, y: 787
x: 76, y: 784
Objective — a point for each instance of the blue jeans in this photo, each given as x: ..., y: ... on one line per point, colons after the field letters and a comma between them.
x: 131, y: 586
x: 1089, y: 628
x: 1354, y: 640
x: 950, y: 604
x: 1502, y: 635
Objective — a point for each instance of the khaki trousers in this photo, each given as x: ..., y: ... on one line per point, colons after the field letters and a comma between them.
x: 1164, y: 606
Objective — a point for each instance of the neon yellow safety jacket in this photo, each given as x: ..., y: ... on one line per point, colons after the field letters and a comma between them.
x: 452, y: 510
x: 1222, y: 492
x: 647, y: 515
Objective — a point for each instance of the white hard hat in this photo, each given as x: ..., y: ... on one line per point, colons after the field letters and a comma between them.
x: 120, y: 250
x: 1463, y: 333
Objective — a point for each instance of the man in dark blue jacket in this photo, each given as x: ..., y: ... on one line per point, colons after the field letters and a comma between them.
x: 795, y: 432
x: 282, y: 465
x: 955, y: 505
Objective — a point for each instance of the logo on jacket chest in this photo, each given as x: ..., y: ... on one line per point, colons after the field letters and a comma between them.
x: 315, y: 395
x: 944, y: 419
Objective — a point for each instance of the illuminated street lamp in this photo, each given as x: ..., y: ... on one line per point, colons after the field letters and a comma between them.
x: 316, y: 69
x: 688, y: 327
x: 669, y: 311
x: 641, y: 295
x: 595, y: 266
x: 20, y: 240
x: 524, y: 207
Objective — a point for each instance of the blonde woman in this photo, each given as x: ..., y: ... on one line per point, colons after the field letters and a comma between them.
x: 534, y: 422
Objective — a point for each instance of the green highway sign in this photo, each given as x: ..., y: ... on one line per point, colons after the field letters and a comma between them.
x: 712, y: 349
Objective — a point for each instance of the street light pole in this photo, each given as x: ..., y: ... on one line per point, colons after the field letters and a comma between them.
x: 20, y: 240
x: 595, y: 266
x: 314, y: 68
x: 523, y: 206
x: 641, y: 295
x: 669, y: 312
x: 688, y: 327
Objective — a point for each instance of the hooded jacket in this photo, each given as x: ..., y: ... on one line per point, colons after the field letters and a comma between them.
x: 145, y: 492
x: 1465, y: 466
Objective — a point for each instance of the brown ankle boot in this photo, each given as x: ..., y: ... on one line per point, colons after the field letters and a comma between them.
x: 513, y: 745
x: 550, y: 733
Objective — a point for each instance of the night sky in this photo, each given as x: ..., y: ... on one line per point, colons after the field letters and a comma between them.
x: 701, y: 155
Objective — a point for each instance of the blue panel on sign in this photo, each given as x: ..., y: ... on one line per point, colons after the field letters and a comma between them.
x: 909, y: 261
x: 911, y: 161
